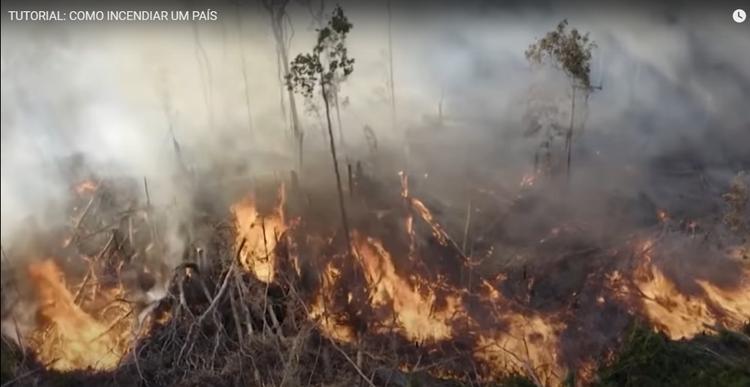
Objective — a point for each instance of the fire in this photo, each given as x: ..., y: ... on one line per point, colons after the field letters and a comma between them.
x: 261, y: 234
x: 684, y: 316
x: 86, y: 187
x: 71, y: 338
x: 528, y: 343
x: 319, y: 312
x: 662, y: 215
x: 427, y: 216
x: 413, y: 308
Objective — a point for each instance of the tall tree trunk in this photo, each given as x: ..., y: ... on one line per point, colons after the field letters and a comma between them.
x: 277, y: 13
x: 296, y: 128
x: 282, y: 86
x: 204, y: 67
x: 243, y: 63
x: 342, y: 143
x: 391, y: 84
x: 569, y: 135
x: 344, y: 218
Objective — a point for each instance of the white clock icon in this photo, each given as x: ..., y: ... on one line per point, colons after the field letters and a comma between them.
x: 739, y: 15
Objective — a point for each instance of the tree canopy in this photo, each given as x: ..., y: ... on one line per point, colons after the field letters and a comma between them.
x: 569, y: 50
x: 310, y: 69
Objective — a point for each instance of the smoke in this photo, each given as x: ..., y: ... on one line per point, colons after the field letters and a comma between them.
x: 198, y: 111
x: 673, y: 82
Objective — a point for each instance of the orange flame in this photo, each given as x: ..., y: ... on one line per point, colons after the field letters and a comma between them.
x: 684, y: 316
x: 318, y: 311
x: 85, y: 187
x: 72, y: 338
x: 261, y: 235
x: 413, y: 308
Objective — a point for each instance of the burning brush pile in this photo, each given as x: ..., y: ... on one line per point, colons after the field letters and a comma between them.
x: 268, y: 289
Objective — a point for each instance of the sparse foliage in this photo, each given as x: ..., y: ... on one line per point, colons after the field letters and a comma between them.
x: 328, y: 59
x: 569, y: 51
x: 321, y: 71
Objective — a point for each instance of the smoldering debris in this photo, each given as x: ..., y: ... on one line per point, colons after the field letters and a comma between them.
x: 158, y: 228
x: 266, y: 278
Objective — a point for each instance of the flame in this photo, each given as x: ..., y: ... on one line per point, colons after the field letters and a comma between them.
x: 427, y: 216
x: 527, y: 343
x: 663, y: 215
x: 85, y: 187
x: 329, y: 325
x: 684, y: 316
x: 71, y: 338
x: 261, y: 235
x: 413, y: 308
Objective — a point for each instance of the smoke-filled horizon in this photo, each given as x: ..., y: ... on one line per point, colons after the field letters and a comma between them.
x: 505, y: 212
x: 671, y: 81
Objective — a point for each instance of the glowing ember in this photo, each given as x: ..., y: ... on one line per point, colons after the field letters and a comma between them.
x: 261, y: 234
x: 71, y: 338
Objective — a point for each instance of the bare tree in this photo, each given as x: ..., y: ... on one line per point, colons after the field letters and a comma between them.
x: 279, y: 22
x: 391, y: 85
x: 243, y: 64
x: 569, y: 51
x: 204, y: 67
x: 320, y: 71
x: 318, y: 21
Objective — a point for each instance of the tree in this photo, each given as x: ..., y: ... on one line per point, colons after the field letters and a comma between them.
x: 243, y: 66
x: 391, y: 84
x: 569, y: 51
x: 277, y: 11
x: 320, y: 71
x: 319, y: 22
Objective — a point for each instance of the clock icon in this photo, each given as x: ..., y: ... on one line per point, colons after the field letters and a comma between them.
x: 739, y: 15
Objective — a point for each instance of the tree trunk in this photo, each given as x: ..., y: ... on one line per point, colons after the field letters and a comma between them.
x: 204, y: 67
x: 342, y: 143
x: 391, y: 85
x: 277, y: 19
x: 280, y: 73
x: 344, y: 218
x: 243, y: 63
x: 296, y: 129
x: 569, y: 135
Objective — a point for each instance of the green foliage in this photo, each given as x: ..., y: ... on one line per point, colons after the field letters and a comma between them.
x: 569, y: 51
x: 648, y: 359
x: 328, y: 63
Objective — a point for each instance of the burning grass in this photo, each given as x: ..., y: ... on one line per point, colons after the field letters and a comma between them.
x: 71, y: 338
x: 266, y: 292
